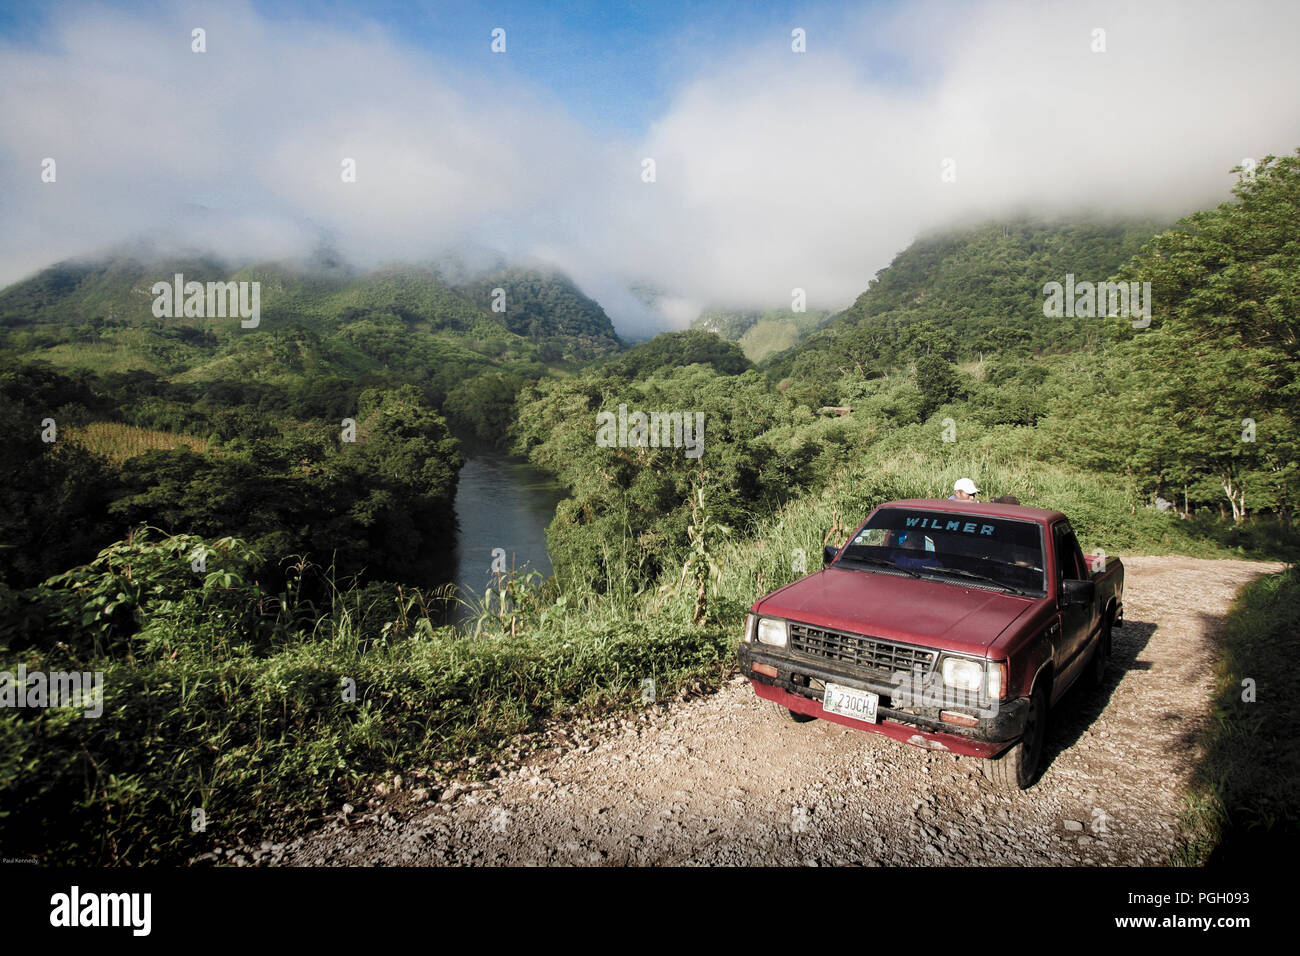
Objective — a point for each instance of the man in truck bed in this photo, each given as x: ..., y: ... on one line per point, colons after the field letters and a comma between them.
x: 950, y: 625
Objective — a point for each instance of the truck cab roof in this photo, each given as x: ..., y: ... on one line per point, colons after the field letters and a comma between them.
x: 988, y: 508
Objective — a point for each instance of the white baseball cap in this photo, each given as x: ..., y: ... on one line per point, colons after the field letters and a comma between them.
x: 966, y: 485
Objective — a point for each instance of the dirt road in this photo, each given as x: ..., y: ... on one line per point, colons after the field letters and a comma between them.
x: 719, y: 780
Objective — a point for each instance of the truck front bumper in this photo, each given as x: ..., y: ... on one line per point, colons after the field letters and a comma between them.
x: 996, y: 728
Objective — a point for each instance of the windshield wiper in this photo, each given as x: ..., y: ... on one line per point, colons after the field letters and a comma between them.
x: 978, y: 577
x: 879, y: 562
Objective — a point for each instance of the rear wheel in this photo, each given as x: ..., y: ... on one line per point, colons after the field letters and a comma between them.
x: 1017, y: 768
x: 788, y: 715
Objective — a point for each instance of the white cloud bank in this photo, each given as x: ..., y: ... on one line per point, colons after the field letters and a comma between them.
x: 774, y: 169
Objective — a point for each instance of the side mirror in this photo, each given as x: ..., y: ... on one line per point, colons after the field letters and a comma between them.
x: 1078, y: 593
x: 828, y: 554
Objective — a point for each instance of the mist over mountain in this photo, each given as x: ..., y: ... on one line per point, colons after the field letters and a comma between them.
x: 773, y: 170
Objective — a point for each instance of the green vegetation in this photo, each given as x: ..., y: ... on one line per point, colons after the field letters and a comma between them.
x: 118, y: 442
x: 1213, y: 392
x: 963, y: 294
x: 325, y: 335
x: 677, y: 350
x: 373, y: 500
x: 227, y: 682
x: 1243, y: 806
x: 544, y: 307
x: 266, y: 711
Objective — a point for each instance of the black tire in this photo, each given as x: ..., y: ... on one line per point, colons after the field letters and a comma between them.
x: 788, y: 715
x: 1017, y: 768
x: 1100, y: 658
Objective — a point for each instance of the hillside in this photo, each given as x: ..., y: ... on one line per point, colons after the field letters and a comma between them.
x: 969, y: 291
x: 545, y: 307
x: 107, y: 300
x: 325, y: 333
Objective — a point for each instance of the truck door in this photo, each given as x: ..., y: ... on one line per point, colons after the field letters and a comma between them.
x: 1077, y: 621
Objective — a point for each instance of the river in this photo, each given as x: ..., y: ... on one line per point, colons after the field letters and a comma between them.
x: 501, y: 502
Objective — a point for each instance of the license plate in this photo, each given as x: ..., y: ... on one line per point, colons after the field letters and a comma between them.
x: 851, y: 702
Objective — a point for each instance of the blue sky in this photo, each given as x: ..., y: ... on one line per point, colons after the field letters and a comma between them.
x: 613, y: 65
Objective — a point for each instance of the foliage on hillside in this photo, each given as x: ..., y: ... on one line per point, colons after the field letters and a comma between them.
x: 962, y: 294
x: 376, y: 501
x: 546, y: 307
x: 324, y: 335
x: 678, y: 350
x: 1212, y: 389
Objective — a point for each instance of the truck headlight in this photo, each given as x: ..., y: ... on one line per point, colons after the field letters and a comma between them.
x: 963, y: 674
x: 772, y: 631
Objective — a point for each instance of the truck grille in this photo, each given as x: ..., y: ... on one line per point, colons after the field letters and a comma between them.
x: 872, y: 653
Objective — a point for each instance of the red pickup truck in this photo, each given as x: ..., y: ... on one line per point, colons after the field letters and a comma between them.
x: 951, y: 625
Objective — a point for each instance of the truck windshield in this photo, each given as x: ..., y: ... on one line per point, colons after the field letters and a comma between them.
x: 1004, y: 551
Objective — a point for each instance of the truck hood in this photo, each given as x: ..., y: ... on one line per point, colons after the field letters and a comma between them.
x: 939, y: 614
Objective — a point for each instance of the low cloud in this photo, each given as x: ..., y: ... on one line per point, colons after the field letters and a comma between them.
x: 773, y: 169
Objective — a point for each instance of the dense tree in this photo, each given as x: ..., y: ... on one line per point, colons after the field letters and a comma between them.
x: 53, y: 495
x: 382, y: 506
x: 1219, y: 368
x: 484, y: 406
x: 677, y: 349
x: 631, y: 503
x: 545, y: 306
x: 937, y: 380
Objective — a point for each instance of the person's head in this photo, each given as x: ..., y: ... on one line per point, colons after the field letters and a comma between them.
x: 965, y: 489
x: 1006, y: 500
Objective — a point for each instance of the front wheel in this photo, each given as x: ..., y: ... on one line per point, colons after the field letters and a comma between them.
x: 1100, y: 658
x: 1017, y: 768
x: 788, y: 715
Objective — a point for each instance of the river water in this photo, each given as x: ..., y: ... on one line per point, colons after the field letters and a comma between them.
x: 501, y: 502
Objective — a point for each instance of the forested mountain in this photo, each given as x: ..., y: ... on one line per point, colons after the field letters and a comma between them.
x: 678, y: 349
x: 545, y: 307
x: 325, y: 333
x: 542, y: 308
x: 951, y: 367
x: 970, y: 291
